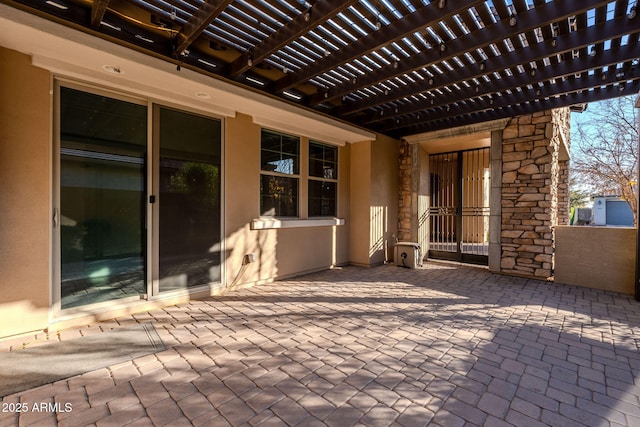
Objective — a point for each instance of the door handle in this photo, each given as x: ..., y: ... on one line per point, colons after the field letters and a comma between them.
x: 56, y: 220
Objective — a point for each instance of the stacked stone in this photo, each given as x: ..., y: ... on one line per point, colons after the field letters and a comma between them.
x: 530, y: 176
x: 562, y: 117
x: 564, y: 211
x: 407, y: 209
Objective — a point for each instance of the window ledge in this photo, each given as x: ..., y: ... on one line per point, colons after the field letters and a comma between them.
x: 272, y: 223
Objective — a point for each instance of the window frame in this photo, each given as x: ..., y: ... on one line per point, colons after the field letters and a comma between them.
x: 295, y: 176
x: 334, y: 180
x: 150, y: 100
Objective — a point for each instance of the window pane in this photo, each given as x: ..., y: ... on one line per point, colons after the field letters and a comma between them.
x: 280, y: 153
x: 278, y: 195
x: 189, y: 202
x: 322, y: 161
x: 322, y: 198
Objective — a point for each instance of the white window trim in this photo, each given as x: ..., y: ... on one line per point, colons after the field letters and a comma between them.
x: 297, y: 176
x: 322, y: 179
x: 278, y: 223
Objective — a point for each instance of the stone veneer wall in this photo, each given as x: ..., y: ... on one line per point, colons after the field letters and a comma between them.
x: 409, y: 160
x: 562, y: 120
x: 531, y: 191
x: 531, y: 197
x: 564, y: 211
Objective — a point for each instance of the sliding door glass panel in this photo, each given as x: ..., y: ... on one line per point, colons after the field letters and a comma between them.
x: 189, y: 200
x: 102, y: 198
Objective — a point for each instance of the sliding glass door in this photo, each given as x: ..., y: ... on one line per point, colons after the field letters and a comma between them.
x: 138, y: 203
x: 101, y: 218
x: 189, y: 199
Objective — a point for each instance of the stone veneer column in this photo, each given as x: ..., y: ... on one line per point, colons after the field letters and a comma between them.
x: 562, y: 122
x: 531, y: 175
x: 564, y: 211
x: 409, y: 160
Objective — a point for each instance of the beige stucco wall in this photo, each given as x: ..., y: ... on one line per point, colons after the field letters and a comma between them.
x: 278, y: 252
x: 25, y: 171
x: 367, y: 201
x: 360, y: 202
x: 424, y: 200
x: 374, y: 200
x: 596, y: 257
x: 384, y: 198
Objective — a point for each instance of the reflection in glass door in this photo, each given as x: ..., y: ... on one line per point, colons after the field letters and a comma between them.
x: 102, y: 198
x: 189, y: 199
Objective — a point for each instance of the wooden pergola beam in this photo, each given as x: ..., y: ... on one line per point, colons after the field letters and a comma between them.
x: 199, y: 21
x: 98, y: 9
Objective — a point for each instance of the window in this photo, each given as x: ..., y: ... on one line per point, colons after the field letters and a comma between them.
x: 281, y: 177
x: 323, y: 179
x: 280, y: 165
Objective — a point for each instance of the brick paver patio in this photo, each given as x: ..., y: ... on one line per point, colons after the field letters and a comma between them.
x: 445, y: 345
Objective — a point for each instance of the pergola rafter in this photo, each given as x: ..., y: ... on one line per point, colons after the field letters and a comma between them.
x: 98, y: 9
x: 574, y: 98
x: 522, y: 96
x: 530, y: 77
x: 422, y: 17
x: 501, y: 30
x: 199, y: 21
x: 321, y: 11
x: 392, y: 66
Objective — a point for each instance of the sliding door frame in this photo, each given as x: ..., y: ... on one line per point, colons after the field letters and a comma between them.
x: 154, y: 208
x: 151, y: 215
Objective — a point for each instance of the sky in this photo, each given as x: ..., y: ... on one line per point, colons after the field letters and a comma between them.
x: 587, y: 117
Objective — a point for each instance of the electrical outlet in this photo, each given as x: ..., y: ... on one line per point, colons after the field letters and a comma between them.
x: 248, y: 259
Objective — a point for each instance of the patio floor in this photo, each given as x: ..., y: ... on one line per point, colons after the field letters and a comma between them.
x: 445, y: 345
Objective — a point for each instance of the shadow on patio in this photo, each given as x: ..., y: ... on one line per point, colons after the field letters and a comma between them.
x: 444, y: 345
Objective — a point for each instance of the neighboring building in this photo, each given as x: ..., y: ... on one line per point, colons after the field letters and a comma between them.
x: 611, y: 211
x: 128, y: 185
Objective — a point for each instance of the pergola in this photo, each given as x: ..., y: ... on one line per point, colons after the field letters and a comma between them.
x: 398, y: 67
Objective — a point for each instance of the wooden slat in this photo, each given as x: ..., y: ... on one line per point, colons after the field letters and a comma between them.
x: 98, y: 9
x: 321, y: 11
x: 495, y: 33
x: 198, y: 23
x: 568, y: 68
x: 424, y: 16
x: 606, y: 31
x: 597, y: 94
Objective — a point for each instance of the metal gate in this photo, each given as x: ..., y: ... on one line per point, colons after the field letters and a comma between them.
x: 459, y: 210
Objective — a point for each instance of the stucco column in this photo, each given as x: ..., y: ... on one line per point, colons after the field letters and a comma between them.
x: 495, y: 201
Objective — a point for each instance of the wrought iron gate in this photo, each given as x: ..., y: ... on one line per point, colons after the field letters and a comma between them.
x: 459, y: 210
